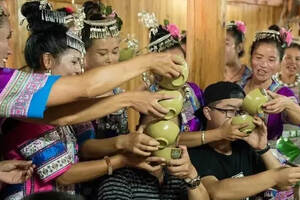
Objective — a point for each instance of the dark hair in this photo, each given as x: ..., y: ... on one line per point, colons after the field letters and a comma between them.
x: 46, y: 37
x: 293, y: 45
x: 93, y: 11
x: 269, y: 40
x: 163, y: 32
x: 31, y: 11
x: 183, y: 40
x: 53, y: 196
x: 238, y: 37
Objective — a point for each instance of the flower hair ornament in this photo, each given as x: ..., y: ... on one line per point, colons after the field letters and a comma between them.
x: 284, y: 37
x: 171, y: 39
x: 287, y: 37
x: 237, y: 25
x: 108, y: 27
x: 131, y: 49
x: 132, y: 42
x: 150, y: 21
x: 77, y: 18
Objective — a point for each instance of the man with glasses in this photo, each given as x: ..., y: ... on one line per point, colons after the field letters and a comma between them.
x: 238, y: 169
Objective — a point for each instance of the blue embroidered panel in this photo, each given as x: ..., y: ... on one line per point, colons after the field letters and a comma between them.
x: 48, y: 153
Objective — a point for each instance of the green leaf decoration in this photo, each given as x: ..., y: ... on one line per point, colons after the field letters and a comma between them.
x: 108, y: 10
x: 103, y: 10
x: 166, y: 22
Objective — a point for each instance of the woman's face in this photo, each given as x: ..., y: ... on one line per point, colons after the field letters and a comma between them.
x: 290, y: 64
x: 5, y: 35
x: 69, y: 63
x: 103, y: 52
x: 231, y: 54
x: 265, y: 61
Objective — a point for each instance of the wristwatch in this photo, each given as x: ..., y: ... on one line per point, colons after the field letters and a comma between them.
x: 193, y: 183
x: 261, y: 152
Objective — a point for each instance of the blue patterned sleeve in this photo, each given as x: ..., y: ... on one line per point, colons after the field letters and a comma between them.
x: 84, y: 132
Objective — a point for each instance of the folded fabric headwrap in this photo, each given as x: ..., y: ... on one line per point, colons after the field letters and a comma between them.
x: 222, y: 90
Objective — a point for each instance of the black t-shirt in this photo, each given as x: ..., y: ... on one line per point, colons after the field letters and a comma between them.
x: 242, y: 162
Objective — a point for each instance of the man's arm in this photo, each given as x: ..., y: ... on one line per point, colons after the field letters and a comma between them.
x: 270, y: 161
x: 226, y: 131
x: 250, y: 185
x: 183, y: 168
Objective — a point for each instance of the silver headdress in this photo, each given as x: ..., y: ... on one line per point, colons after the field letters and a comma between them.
x: 162, y: 43
x: 165, y: 42
x: 269, y: 34
x: 75, y: 42
x: 101, y: 29
x: 296, y: 41
x: 132, y: 42
x: 77, y: 20
x: 150, y: 21
x: 50, y: 15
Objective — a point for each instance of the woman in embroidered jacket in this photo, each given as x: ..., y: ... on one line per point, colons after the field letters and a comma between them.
x: 266, y: 54
x: 103, y: 48
x: 53, y: 150
x: 290, y: 67
x: 234, y: 50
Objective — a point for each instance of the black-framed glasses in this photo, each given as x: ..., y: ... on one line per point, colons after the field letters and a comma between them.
x: 229, y: 113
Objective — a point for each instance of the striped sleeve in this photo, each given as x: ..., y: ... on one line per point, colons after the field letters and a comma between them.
x: 84, y: 132
x: 114, y: 187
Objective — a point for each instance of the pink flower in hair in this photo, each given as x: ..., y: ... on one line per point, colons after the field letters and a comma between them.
x: 287, y: 36
x: 113, y: 14
x: 174, y: 30
x: 241, y: 26
x: 69, y: 10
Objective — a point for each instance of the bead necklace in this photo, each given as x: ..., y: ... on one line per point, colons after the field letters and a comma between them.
x: 290, y: 85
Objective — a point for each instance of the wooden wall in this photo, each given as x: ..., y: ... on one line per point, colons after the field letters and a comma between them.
x: 256, y: 18
x: 206, y: 40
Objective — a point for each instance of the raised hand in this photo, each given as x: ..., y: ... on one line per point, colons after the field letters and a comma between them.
x: 182, y: 168
x: 258, y: 138
x: 232, y: 132
x: 151, y: 164
x: 286, y: 177
x: 147, y: 103
x: 166, y: 64
x: 138, y: 143
x: 277, y: 104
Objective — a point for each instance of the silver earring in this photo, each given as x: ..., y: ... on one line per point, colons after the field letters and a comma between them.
x: 49, y: 72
